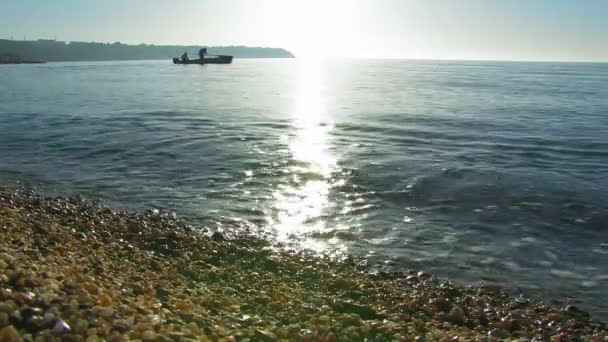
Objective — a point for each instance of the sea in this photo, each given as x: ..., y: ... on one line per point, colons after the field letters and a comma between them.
x: 481, y: 173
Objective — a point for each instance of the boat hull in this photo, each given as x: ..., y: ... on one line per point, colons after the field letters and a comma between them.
x: 211, y: 60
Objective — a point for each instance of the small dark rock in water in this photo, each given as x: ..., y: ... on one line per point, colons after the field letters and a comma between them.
x: 264, y: 336
x: 573, y: 311
x: 217, y: 237
x: 412, y: 278
x: 521, y: 300
x: 423, y: 275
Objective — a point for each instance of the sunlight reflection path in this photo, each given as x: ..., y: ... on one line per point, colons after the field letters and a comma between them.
x: 302, y: 202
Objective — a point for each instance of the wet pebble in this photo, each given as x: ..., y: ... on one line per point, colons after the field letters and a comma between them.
x: 60, y: 327
x: 264, y: 336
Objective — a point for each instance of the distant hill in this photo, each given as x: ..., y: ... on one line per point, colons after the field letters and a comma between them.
x: 58, y: 51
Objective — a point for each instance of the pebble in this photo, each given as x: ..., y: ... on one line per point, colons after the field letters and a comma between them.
x: 105, y: 300
x: 60, y: 327
x: 93, y: 289
x: 48, y: 318
x: 16, y: 317
x: 106, y: 312
x: 53, y: 310
x: 490, y: 339
x: 363, y: 311
x: 457, y: 315
x: 324, y: 318
x: 4, y: 319
x: 120, y: 325
x: 6, y: 308
x: 264, y: 336
x: 92, y: 338
x: 30, y: 311
x: 498, y: 333
x: 149, y: 336
x: 33, y: 323
x: 9, y: 334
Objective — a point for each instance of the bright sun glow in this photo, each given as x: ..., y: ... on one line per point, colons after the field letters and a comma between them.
x: 315, y: 28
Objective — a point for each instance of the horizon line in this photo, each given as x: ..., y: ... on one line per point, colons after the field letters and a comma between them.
x: 449, y: 59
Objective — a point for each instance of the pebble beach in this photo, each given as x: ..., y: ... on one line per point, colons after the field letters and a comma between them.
x: 75, y: 270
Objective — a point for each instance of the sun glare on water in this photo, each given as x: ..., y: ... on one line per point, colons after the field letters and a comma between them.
x: 301, y: 203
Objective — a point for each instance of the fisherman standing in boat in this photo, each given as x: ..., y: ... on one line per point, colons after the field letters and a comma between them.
x: 202, y: 53
x: 185, y: 57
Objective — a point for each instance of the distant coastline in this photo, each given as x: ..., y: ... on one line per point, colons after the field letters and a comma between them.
x: 11, y: 58
x: 60, y: 51
x: 20, y: 62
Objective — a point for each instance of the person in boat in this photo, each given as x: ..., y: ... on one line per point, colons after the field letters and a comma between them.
x: 185, y: 57
x: 202, y: 53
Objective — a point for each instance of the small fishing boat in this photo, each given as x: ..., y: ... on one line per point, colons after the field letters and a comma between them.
x: 221, y: 59
x: 203, y: 59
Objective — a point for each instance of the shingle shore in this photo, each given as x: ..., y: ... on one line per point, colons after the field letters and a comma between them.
x: 72, y: 270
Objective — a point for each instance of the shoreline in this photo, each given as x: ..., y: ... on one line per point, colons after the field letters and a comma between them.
x: 77, y: 270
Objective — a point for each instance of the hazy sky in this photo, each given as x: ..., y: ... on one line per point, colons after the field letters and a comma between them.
x: 453, y: 29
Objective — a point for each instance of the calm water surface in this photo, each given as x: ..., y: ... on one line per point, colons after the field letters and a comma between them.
x: 477, y: 172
